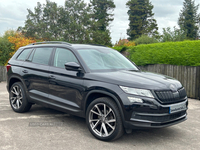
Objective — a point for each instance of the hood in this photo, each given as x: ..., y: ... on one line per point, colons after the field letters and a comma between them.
x: 136, y: 79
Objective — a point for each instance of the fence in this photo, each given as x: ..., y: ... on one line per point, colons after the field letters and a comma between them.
x: 2, y: 73
x: 187, y: 75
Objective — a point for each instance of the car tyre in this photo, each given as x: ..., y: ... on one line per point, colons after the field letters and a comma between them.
x: 103, y: 119
x: 18, y: 99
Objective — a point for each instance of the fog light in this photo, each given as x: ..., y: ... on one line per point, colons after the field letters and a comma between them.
x: 135, y: 100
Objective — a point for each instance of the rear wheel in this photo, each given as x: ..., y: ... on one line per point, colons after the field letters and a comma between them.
x: 17, y: 98
x: 104, y: 120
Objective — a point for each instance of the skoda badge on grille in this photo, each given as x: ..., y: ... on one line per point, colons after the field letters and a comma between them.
x: 173, y: 87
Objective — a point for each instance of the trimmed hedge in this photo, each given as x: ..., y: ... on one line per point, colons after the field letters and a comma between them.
x: 185, y: 53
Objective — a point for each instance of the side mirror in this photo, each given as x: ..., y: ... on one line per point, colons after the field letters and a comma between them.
x: 72, y: 66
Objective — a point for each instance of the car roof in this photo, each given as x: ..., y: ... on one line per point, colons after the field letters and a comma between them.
x: 74, y: 46
x: 79, y: 46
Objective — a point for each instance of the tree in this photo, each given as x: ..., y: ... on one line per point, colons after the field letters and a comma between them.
x: 172, y: 36
x: 50, y: 22
x: 141, y: 19
x: 43, y: 22
x: 189, y: 19
x: 75, y: 21
x: 101, y: 15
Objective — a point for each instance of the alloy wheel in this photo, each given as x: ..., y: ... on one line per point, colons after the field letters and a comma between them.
x: 16, y: 97
x: 102, y: 120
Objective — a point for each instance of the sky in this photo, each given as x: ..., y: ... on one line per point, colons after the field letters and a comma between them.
x: 166, y: 12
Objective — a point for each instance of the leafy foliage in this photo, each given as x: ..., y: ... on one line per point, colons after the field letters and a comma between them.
x: 141, y: 19
x: 130, y: 43
x: 101, y: 15
x: 44, y: 22
x: 121, y: 42
x: 144, y: 39
x: 184, y: 53
x: 19, y: 40
x: 189, y: 19
x: 173, y: 36
x: 5, y: 47
x: 120, y: 48
x: 10, y: 42
x: 76, y: 22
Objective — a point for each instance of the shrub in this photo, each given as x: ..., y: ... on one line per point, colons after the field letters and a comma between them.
x: 123, y: 45
x: 184, y: 53
x: 130, y: 43
x: 120, y: 48
x: 121, y: 42
x: 10, y: 42
x: 144, y: 39
x: 172, y: 36
x: 5, y: 47
x: 19, y: 40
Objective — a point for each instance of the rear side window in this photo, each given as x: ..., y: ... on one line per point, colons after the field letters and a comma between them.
x: 24, y: 54
x: 30, y: 56
x: 42, y: 56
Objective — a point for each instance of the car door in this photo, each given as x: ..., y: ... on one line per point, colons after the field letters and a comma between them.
x: 65, y: 87
x: 36, y: 73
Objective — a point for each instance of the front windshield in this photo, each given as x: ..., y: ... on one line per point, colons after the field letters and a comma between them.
x: 105, y: 59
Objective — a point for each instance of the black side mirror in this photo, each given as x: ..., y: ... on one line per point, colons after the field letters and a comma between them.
x: 72, y: 66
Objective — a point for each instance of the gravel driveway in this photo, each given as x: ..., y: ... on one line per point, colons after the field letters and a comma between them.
x: 47, y: 129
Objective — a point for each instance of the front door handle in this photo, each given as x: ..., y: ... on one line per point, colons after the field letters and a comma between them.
x: 52, y: 76
x: 25, y: 71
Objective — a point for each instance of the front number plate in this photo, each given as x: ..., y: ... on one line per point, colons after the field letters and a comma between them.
x: 177, y: 107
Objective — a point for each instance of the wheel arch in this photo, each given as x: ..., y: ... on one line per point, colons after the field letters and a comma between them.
x: 92, y: 95
x: 13, y: 80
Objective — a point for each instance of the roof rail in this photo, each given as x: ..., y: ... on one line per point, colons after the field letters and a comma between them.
x: 97, y: 45
x: 50, y: 42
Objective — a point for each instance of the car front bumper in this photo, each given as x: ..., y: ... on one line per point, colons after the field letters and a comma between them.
x: 156, y: 121
x: 153, y: 114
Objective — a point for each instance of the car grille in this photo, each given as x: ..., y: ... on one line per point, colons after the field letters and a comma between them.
x: 167, y: 97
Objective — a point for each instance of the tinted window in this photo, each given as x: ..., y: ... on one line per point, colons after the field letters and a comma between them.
x: 42, y: 55
x: 105, y: 59
x: 63, y: 56
x: 24, y: 54
x: 31, y: 56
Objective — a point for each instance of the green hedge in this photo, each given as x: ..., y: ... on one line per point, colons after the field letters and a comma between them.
x: 186, y: 53
x: 5, y: 50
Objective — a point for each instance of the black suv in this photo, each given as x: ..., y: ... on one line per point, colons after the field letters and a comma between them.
x: 94, y: 82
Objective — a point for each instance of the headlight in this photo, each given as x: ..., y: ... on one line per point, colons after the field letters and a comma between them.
x: 140, y: 92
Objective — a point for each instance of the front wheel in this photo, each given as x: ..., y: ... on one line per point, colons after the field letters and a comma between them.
x: 104, y: 120
x: 18, y: 99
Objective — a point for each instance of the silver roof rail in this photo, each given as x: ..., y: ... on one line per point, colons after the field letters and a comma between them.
x: 50, y: 42
x: 97, y: 45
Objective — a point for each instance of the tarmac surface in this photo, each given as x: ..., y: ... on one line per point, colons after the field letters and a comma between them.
x: 47, y: 129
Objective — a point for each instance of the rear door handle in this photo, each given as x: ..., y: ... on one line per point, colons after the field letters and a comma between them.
x: 25, y: 71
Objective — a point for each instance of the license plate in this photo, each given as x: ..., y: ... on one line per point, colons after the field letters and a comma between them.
x: 177, y: 107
